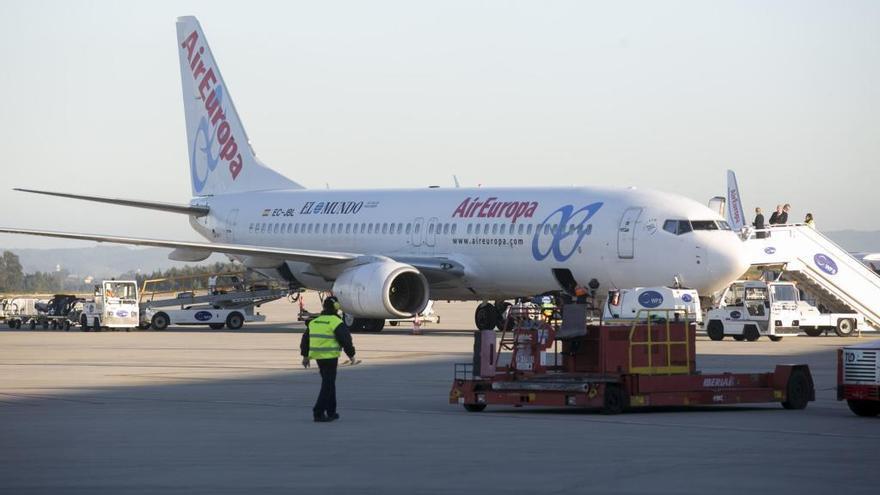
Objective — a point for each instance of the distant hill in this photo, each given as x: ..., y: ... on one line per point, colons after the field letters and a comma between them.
x: 100, y: 261
x: 857, y: 240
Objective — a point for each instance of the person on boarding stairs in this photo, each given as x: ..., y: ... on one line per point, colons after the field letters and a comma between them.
x: 809, y: 221
x: 774, y: 217
x: 758, y: 224
x: 783, y: 217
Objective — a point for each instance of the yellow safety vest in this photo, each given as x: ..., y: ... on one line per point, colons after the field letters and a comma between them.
x: 322, y: 341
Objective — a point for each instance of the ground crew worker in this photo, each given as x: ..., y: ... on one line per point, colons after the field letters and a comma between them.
x: 547, y: 307
x: 322, y: 341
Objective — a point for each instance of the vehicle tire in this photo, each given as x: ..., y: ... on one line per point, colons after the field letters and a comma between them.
x: 216, y: 326
x: 234, y: 321
x: 160, y: 321
x: 96, y: 325
x: 393, y: 323
x: 798, y: 390
x: 486, y: 317
x: 813, y: 331
x: 865, y: 408
x: 739, y: 338
x: 715, y: 330
x: 84, y: 323
x: 54, y: 325
x: 10, y: 324
x: 374, y: 326
x: 751, y: 333
x: 615, y: 400
x: 474, y: 407
x: 845, y: 327
x: 46, y: 325
x: 33, y: 325
x: 775, y: 338
x: 66, y: 325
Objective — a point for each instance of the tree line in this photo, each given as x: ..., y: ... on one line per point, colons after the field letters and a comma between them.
x: 14, y: 280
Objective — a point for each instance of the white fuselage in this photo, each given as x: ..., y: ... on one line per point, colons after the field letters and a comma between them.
x: 509, y: 240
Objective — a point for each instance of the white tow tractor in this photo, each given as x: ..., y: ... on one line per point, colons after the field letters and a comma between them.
x: 115, y: 305
x: 752, y: 308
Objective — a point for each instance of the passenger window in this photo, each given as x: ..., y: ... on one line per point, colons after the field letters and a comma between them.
x: 324, y: 228
x: 384, y: 228
x: 470, y: 228
x: 503, y: 227
x: 333, y: 228
x: 408, y: 228
x: 521, y: 228
x: 369, y: 228
x: 494, y: 228
x: 418, y: 228
x: 251, y: 229
x: 529, y: 229
x: 275, y: 229
x: 399, y: 228
x: 453, y: 228
x: 446, y: 229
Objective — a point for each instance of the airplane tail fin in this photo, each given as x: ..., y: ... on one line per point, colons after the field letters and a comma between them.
x: 220, y: 156
x: 736, y: 217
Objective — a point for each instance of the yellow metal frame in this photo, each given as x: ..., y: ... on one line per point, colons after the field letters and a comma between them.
x: 668, y: 369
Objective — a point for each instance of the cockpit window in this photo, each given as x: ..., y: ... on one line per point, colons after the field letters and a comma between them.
x: 677, y: 227
x: 724, y: 225
x: 704, y: 225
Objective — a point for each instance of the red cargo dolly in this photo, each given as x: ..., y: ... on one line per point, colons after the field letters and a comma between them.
x: 858, y: 377
x: 612, y: 366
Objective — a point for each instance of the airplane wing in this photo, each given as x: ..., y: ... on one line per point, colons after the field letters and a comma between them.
x: 305, y: 255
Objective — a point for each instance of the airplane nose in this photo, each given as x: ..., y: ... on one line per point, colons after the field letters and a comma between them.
x: 728, y: 261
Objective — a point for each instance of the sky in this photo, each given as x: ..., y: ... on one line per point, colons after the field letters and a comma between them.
x: 664, y: 95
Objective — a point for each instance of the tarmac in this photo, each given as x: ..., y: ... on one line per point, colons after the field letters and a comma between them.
x: 191, y: 410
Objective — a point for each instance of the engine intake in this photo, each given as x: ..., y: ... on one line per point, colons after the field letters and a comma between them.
x: 381, y: 290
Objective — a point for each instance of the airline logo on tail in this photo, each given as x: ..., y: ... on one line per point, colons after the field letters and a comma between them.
x: 213, y: 139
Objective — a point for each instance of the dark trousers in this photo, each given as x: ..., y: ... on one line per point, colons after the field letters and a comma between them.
x: 326, y: 404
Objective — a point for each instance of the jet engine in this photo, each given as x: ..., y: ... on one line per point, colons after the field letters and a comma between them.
x: 381, y: 290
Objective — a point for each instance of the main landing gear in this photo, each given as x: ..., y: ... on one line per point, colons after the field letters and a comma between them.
x: 489, y: 316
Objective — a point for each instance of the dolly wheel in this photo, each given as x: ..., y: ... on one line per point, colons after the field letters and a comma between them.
x: 216, y: 326
x: 739, y: 338
x: 474, y: 407
x: 775, y: 338
x: 797, y: 391
x: 715, y: 331
x: 615, y: 400
x: 866, y: 408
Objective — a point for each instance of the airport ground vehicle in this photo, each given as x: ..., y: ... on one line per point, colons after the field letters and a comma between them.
x: 115, y: 306
x: 18, y: 310
x: 858, y: 377
x: 628, y: 303
x: 230, y: 304
x: 613, y: 366
x: 752, y: 308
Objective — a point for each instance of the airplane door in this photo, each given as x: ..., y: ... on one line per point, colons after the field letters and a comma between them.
x: 418, y: 231
x: 626, y: 233
x: 431, y: 236
x: 231, y: 222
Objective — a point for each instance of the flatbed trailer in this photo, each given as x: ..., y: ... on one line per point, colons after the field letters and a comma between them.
x: 613, y: 366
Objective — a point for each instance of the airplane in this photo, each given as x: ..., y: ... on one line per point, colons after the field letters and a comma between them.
x: 385, y: 252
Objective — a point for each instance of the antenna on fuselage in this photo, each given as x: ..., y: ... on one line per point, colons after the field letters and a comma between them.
x: 455, y: 179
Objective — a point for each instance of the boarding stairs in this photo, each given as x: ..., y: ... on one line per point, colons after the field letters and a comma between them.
x: 820, y: 267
